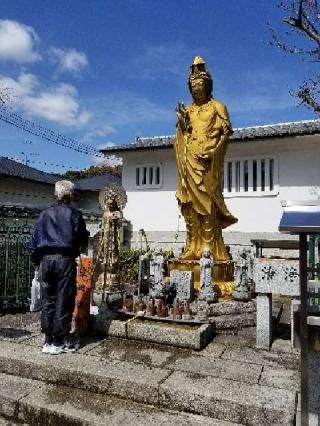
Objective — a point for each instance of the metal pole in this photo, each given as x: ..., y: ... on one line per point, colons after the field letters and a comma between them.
x: 304, y: 330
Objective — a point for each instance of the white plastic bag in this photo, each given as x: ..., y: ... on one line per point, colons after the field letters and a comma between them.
x: 35, y: 304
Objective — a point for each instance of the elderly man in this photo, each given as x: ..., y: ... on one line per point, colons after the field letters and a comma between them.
x: 58, y: 236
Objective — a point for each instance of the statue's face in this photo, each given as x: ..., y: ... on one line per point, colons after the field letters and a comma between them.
x: 198, y: 89
x: 206, y: 252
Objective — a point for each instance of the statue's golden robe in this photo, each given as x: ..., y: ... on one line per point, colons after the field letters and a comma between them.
x: 200, y: 148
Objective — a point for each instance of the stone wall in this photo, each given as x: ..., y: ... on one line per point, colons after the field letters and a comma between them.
x: 236, y: 241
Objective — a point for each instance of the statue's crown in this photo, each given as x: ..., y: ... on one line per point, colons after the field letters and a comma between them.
x: 198, y: 60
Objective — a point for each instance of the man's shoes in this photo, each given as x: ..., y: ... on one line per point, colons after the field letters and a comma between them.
x: 68, y: 349
x: 46, y: 348
x: 56, y: 349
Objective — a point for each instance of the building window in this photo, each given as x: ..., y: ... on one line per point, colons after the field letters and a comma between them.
x: 149, y: 176
x: 256, y: 176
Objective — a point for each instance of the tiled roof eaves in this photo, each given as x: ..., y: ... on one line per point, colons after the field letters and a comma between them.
x: 44, y: 182
x: 11, y: 168
x: 301, y: 128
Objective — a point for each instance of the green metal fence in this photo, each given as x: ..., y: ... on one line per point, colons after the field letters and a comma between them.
x: 16, y: 270
x: 314, y: 255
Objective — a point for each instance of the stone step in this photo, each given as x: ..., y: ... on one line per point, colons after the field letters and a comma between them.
x: 224, y: 391
x: 36, y: 403
x: 10, y: 422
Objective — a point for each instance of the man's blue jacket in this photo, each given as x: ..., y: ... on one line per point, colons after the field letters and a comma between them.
x: 60, y: 229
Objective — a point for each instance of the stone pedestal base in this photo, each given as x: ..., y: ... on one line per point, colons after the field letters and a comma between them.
x: 222, y: 272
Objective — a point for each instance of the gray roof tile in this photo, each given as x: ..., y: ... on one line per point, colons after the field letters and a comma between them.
x: 241, y: 134
x: 13, y: 168
x: 95, y: 183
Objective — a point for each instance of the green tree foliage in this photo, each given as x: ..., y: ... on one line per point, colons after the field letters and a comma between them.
x: 129, y: 263
x: 115, y: 170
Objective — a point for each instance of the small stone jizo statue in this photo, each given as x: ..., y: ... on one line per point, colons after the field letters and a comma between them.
x: 207, y: 291
x: 158, y: 272
x: 243, y: 288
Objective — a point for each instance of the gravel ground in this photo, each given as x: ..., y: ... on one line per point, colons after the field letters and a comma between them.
x: 20, y: 321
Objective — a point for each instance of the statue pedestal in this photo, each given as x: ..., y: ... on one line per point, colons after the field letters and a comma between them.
x: 223, y: 272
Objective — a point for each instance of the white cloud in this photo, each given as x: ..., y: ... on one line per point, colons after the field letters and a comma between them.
x: 59, y: 103
x: 69, y: 59
x: 18, y: 42
x: 25, y: 84
x: 97, y: 131
x: 111, y: 160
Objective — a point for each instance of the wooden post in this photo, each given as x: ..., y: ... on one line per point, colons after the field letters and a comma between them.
x: 304, y: 330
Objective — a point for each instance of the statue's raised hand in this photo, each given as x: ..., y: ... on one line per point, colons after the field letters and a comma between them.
x: 181, y: 112
x: 183, y: 117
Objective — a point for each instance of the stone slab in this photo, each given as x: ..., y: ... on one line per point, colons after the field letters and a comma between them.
x: 88, y: 409
x: 245, y: 337
x: 126, y: 379
x: 183, y: 283
x: 277, y: 276
x: 212, y: 350
x: 228, y: 322
x: 185, y: 336
x: 53, y: 405
x: 12, y: 389
x: 228, y: 400
x: 282, y: 379
x: 133, y: 351
x: 256, y: 356
x: 282, y: 345
x: 232, y: 307
x: 233, y: 370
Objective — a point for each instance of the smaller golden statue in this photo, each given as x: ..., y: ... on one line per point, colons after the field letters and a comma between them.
x: 112, y: 199
x: 203, y: 131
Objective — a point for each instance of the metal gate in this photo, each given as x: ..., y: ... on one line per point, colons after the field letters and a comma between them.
x: 16, y: 270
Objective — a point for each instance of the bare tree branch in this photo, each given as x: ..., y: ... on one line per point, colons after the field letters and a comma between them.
x: 303, y: 19
x: 309, y: 92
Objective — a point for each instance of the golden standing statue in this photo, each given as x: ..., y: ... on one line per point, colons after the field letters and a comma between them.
x: 203, y: 131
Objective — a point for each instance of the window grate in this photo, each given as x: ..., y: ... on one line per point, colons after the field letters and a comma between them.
x: 250, y: 177
x: 148, y: 176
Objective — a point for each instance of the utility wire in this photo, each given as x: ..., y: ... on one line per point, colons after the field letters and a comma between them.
x: 15, y: 120
x: 45, y: 163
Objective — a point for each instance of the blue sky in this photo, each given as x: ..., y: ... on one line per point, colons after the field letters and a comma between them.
x: 105, y: 71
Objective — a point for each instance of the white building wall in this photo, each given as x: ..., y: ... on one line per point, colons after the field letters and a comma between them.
x: 25, y: 193
x: 40, y: 195
x: 299, y: 179
x: 151, y: 209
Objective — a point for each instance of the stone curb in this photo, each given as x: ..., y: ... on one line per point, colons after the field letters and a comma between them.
x: 228, y: 400
x: 51, y: 405
x: 126, y: 380
x: 188, y: 390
